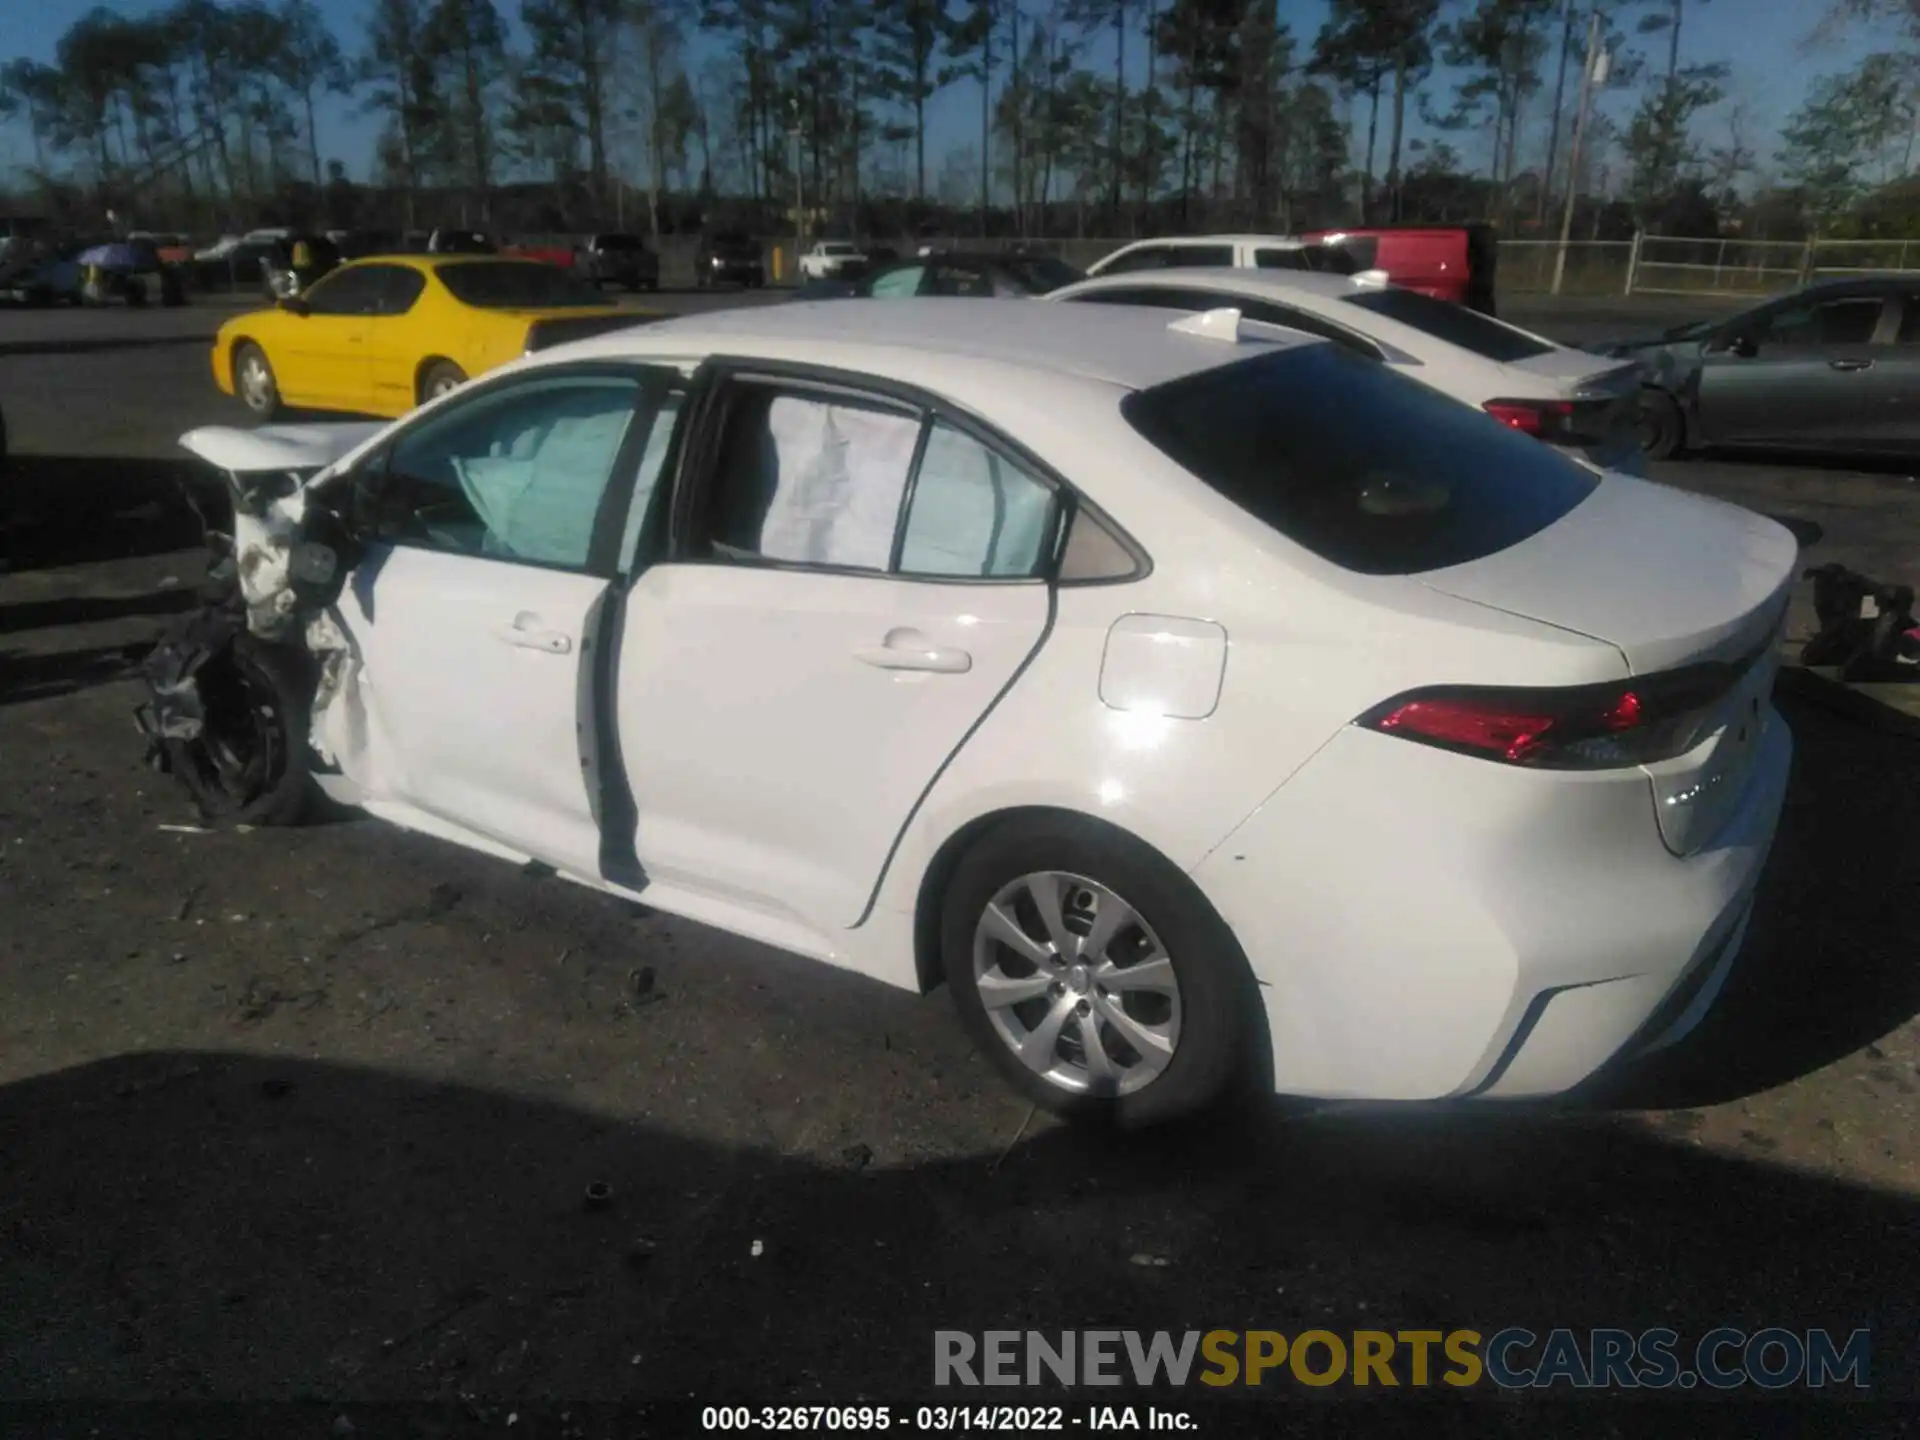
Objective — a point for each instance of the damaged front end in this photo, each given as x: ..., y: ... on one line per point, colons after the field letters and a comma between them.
x: 236, y: 687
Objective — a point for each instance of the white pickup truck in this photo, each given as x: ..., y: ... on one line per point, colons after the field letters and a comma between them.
x: 827, y: 258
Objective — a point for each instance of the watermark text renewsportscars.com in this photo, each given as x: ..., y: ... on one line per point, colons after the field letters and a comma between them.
x: 1514, y: 1358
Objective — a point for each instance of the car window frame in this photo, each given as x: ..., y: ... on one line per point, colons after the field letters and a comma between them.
x: 655, y: 380
x: 695, y: 465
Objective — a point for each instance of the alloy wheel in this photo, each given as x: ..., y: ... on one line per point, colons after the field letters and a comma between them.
x: 1076, y: 984
x: 256, y: 382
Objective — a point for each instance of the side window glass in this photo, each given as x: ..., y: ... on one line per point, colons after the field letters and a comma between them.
x: 1272, y: 259
x: 347, y: 292
x: 1833, y: 322
x: 402, y: 288
x: 895, y: 284
x: 1152, y: 257
x: 975, y: 513
x: 1849, y: 322
x: 808, y: 479
x: 652, y: 460
x: 513, y: 475
x: 960, y: 280
x: 1188, y: 257
x: 1094, y: 552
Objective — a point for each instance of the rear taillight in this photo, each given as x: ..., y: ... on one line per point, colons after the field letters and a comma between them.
x: 1589, y: 727
x: 1563, y: 422
x: 1546, y: 419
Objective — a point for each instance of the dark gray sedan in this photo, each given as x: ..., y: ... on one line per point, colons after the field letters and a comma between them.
x: 1833, y: 368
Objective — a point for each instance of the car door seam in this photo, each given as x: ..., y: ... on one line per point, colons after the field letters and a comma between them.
x: 893, y: 849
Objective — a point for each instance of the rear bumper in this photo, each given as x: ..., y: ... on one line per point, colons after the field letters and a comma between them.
x: 1424, y: 925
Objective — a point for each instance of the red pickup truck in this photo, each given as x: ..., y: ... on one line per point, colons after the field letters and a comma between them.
x: 1448, y: 262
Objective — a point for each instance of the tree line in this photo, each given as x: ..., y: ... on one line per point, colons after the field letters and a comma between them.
x: 1094, y: 116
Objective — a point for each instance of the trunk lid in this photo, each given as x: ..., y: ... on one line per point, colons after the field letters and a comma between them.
x: 1604, y: 399
x: 1670, y: 580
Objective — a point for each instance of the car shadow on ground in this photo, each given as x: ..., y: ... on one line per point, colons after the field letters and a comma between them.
x: 1829, y: 963
x: 69, y: 510
x: 215, y: 1225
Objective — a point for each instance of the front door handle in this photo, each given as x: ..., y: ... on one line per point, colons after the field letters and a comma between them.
x: 910, y: 650
x: 526, y: 632
x: 1851, y: 364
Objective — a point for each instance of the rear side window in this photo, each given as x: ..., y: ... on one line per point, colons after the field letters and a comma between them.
x: 1363, y: 467
x: 514, y: 284
x: 1455, y: 324
x: 1188, y: 257
x: 1042, y: 273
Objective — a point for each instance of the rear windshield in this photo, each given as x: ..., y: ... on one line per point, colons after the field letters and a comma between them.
x: 1366, y: 468
x: 1455, y: 324
x: 1041, y: 273
x: 515, y: 285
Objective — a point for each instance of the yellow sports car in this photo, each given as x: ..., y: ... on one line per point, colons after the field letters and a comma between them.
x: 379, y: 336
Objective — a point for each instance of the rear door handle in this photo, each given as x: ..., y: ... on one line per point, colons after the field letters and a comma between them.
x: 910, y: 650
x: 1851, y: 364
x: 526, y: 632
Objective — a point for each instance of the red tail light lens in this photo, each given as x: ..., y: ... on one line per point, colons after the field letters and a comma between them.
x: 1593, y: 727
x: 1542, y: 418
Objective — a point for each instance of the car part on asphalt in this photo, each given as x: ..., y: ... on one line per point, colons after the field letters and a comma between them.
x: 1866, y: 630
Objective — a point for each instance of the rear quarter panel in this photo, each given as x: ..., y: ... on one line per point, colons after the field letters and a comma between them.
x: 1308, y: 648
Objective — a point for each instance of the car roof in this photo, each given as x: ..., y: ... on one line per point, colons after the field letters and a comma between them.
x: 1292, y: 241
x: 416, y: 261
x: 911, y: 339
x: 1281, y: 284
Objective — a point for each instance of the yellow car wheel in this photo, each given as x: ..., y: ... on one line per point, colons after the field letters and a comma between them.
x: 440, y: 377
x: 253, y: 381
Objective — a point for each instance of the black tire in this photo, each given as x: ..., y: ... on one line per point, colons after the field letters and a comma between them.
x: 1217, y: 997
x: 438, y: 378
x: 250, y: 765
x: 1663, y: 432
x: 264, y: 402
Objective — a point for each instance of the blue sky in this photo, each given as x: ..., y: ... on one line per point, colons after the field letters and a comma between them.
x: 1761, y: 39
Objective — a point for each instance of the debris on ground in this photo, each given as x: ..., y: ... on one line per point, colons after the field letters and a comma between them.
x: 757, y: 1249
x: 857, y: 1157
x: 262, y: 998
x: 1151, y: 1262
x: 597, y: 1195
x: 186, y: 902
x: 640, y: 981
x: 184, y: 829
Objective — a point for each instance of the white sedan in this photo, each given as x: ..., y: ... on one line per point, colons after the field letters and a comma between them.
x: 1571, y: 398
x: 1192, y: 703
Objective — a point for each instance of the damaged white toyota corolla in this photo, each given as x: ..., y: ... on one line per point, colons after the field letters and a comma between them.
x: 1193, y: 702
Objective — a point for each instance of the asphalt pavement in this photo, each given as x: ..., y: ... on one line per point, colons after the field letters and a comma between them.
x: 311, y: 1114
